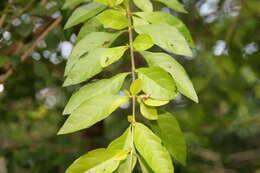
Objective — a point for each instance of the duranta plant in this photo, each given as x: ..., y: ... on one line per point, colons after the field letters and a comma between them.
x: 157, y: 143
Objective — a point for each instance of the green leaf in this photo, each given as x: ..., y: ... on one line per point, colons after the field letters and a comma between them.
x: 87, y: 67
x: 157, y: 82
x: 144, y: 167
x: 150, y: 147
x: 114, y: 19
x: 124, y: 166
x: 90, y: 42
x: 139, y: 21
x: 161, y: 17
x: 111, y: 3
x: 72, y: 3
x: 112, y: 54
x: 167, y: 37
x: 153, y: 102
x: 168, y: 129
x: 144, y: 5
x: 96, y: 161
x: 148, y: 112
x: 92, y: 111
x: 84, y: 13
x: 143, y: 42
x: 136, y: 87
x: 123, y: 142
x: 179, y: 74
x: 92, y: 25
x: 173, y: 4
x: 104, y: 86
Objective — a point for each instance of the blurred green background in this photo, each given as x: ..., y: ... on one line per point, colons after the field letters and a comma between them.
x: 222, y: 131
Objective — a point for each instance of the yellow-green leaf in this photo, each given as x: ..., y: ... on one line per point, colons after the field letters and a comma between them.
x: 161, y: 17
x: 150, y: 147
x: 73, y: 3
x: 168, y: 129
x: 143, y: 42
x: 84, y: 13
x: 144, y: 5
x: 157, y: 83
x: 104, y: 86
x: 148, y: 112
x: 114, y: 19
x: 92, y: 111
x: 154, y: 102
x: 96, y: 161
x: 173, y: 4
x: 179, y: 74
x: 136, y: 87
x: 111, y: 55
x: 167, y: 37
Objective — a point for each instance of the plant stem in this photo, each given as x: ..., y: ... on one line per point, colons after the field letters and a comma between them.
x: 130, y: 33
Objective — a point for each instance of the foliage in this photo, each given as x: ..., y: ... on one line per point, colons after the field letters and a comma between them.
x: 156, y: 85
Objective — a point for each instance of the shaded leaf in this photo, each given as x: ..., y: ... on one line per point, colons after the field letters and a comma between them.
x: 157, y: 82
x: 179, y: 74
x: 84, y: 13
x: 104, y: 86
x: 161, y: 17
x: 168, y: 129
x: 92, y: 111
x: 167, y: 37
x: 144, y: 167
x: 150, y: 147
x: 114, y: 19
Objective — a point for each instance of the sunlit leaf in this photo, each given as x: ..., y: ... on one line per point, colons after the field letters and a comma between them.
x: 167, y: 37
x: 143, y: 42
x: 173, y: 4
x: 179, y: 74
x: 157, y: 83
x: 111, y: 55
x: 161, y: 17
x: 73, y: 3
x: 152, y: 150
x: 84, y: 13
x: 90, y: 42
x: 96, y: 161
x: 114, y: 19
x: 144, y: 167
x: 104, y: 86
x: 154, y: 102
x: 92, y: 111
x: 168, y: 129
x: 144, y: 5
x: 148, y: 112
x: 136, y: 87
